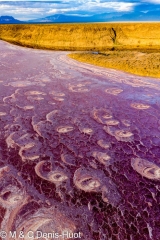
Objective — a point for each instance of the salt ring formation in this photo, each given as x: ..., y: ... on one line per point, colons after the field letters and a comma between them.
x: 79, y: 149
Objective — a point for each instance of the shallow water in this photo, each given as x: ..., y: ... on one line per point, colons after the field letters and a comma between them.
x: 79, y: 148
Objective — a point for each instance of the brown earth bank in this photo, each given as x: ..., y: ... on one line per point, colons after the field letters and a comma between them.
x: 143, y: 62
x: 97, y: 36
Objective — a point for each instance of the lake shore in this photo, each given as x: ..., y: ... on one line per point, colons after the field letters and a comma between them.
x: 131, y: 47
x: 143, y: 63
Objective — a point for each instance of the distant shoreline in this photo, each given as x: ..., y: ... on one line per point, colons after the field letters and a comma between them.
x: 50, y: 23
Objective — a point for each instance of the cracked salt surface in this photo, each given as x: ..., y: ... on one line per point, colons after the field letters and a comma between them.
x: 79, y: 148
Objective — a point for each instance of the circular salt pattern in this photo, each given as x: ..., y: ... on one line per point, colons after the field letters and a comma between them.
x: 86, y: 181
x: 58, y: 99
x: 103, y: 144
x: 11, y: 195
x: 88, y: 184
x: 91, y: 180
x: 57, y: 176
x: 126, y: 122
x: 57, y: 94
x: 28, y: 107
x: 146, y: 168
x: 107, y: 116
x: 29, y: 151
x: 112, y: 122
x: 88, y: 131
x: 28, y: 143
x: 100, y: 115
x: 123, y: 135
x: 140, y: 106
x: 35, y: 98
x: 102, y: 157
x: 34, y: 93
x: 64, y: 129
x: 78, y: 88
x: 82, y: 90
x: 114, y: 91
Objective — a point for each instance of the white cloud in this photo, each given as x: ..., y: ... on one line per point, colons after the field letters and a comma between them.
x: 22, y: 13
x: 152, y: 1
x: 25, y: 10
x: 117, y: 6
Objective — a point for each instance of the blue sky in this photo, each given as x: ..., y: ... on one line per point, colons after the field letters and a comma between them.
x: 25, y: 10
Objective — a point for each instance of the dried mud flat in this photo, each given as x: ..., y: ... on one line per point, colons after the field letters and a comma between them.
x: 79, y: 148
